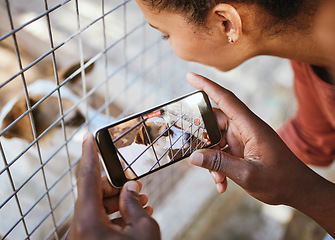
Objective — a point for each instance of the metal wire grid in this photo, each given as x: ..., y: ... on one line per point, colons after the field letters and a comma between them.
x: 35, y: 142
x: 133, y: 69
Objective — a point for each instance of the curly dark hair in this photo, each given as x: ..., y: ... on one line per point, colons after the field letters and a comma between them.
x: 281, y: 13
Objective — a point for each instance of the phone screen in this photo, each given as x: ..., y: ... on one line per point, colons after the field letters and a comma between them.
x: 151, y: 140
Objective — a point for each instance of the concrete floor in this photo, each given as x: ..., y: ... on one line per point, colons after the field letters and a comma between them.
x: 240, y: 217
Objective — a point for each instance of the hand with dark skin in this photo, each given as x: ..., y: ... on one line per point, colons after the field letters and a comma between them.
x: 97, y: 198
x: 258, y: 160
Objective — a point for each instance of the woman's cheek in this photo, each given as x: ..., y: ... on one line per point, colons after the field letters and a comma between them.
x: 183, y: 52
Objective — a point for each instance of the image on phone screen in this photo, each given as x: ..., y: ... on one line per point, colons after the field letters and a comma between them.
x: 155, y: 138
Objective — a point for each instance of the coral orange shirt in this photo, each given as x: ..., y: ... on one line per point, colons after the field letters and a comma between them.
x: 311, y: 133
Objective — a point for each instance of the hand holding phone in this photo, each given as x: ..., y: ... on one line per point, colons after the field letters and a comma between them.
x: 148, y: 141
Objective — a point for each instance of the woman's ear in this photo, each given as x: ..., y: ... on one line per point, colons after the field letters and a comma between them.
x: 229, y: 20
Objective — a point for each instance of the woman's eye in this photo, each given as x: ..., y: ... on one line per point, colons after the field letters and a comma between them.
x: 165, y: 37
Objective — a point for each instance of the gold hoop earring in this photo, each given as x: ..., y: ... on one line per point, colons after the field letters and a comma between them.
x: 230, y: 40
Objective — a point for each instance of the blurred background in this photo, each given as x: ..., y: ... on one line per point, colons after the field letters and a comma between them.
x: 69, y: 66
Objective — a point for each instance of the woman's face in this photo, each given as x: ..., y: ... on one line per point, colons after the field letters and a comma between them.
x: 206, y: 45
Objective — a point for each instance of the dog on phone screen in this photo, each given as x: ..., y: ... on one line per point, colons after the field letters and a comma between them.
x: 151, y: 146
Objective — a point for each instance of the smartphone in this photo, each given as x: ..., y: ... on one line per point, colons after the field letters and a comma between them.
x: 153, y: 139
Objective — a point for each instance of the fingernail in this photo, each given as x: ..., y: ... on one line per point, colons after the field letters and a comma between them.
x: 213, y: 175
x: 192, y: 74
x: 197, y: 158
x: 132, y: 186
x: 85, y: 136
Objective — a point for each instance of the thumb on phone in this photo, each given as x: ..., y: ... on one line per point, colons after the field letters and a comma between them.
x: 89, y: 180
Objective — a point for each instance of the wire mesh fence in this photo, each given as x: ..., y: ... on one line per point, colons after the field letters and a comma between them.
x: 69, y: 66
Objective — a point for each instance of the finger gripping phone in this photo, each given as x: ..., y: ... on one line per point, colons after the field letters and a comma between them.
x: 151, y: 140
